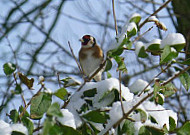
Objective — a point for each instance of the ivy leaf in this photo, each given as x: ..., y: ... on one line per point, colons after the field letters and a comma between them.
x: 185, y: 80
x: 9, y: 68
x: 96, y: 116
x: 54, y: 110
x: 168, y: 54
x: 62, y: 93
x: 143, y: 115
x: 24, y: 79
x: 40, y: 104
x: 184, y: 130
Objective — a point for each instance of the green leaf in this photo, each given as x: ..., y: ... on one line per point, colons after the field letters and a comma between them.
x: 172, y: 124
x: 9, y: 68
x: 28, y: 124
x: 115, y: 52
x: 184, y: 130
x: 152, y: 119
x: 159, y: 100
x: 61, y: 93
x: 24, y: 79
x: 178, y: 47
x: 69, y: 81
x: 121, y: 64
x: 168, y: 54
x: 40, y: 104
x: 142, y: 52
x: 51, y: 128
x: 18, y: 89
x: 21, y: 109
x: 69, y: 130
x: 126, y: 42
x: 154, y: 47
x: 185, y: 80
x: 17, y: 133
x: 168, y: 90
x: 47, y: 125
x: 147, y: 130
x: 96, y: 116
x: 108, y: 75
x: 185, y: 62
x: 14, y: 116
x: 90, y: 92
x: 131, y: 33
x: 54, y: 110
x: 108, y: 64
x: 143, y: 115
x: 135, y: 19
x: 128, y: 128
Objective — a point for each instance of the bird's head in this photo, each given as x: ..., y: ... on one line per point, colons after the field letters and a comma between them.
x: 88, y: 41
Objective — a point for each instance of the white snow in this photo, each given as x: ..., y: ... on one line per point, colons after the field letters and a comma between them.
x: 138, y: 47
x: 173, y: 39
x: 154, y: 41
x: 72, y: 82
x: 20, y: 128
x: 6, y: 129
x: 67, y: 119
x: 153, y: 19
x: 11, y: 66
x: 41, y: 79
x: 173, y: 50
x: 132, y: 26
x: 72, y: 118
x: 102, y: 87
x: 135, y: 15
x: 48, y: 90
x: 138, y: 86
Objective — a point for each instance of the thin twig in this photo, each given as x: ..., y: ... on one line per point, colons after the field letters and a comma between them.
x: 175, y: 76
x: 154, y: 78
x: 120, y: 93
x: 114, y: 16
x: 137, y: 38
x: 116, y: 31
x: 58, y: 78
x: 158, y: 10
x: 81, y: 71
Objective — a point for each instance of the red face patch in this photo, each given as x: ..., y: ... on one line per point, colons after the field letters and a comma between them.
x: 86, y: 39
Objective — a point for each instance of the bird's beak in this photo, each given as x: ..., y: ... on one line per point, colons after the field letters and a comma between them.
x: 81, y: 40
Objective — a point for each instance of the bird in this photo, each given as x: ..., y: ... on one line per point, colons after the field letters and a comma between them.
x: 91, y: 57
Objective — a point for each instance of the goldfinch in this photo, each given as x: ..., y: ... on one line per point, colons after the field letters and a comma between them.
x: 90, y: 57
